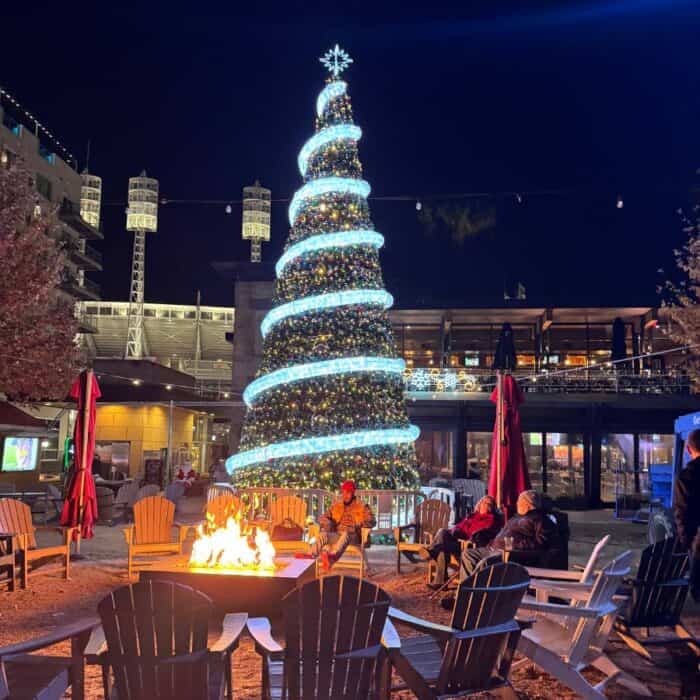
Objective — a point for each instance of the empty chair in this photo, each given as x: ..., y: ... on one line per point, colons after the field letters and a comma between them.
x: 333, y: 630
x: 26, y: 675
x: 221, y: 508
x: 154, y: 636
x: 474, y: 652
x: 657, y: 596
x: 152, y: 530
x: 16, y: 521
x: 566, y: 639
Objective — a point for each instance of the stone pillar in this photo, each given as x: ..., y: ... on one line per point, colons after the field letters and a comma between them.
x: 253, y: 298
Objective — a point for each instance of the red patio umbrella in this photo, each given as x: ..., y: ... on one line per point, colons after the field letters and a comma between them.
x: 508, y: 476
x: 80, y: 506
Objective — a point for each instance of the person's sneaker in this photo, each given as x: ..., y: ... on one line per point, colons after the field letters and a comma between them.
x: 303, y: 555
x: 448, y: 602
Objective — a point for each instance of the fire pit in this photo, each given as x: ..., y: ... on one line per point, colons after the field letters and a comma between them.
x: 239, y: 590
x: 236, y: 566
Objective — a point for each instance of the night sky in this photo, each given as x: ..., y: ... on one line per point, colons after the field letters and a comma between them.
x: 589, y: 98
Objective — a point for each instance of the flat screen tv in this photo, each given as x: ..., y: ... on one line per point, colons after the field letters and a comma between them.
x: 20, y: 454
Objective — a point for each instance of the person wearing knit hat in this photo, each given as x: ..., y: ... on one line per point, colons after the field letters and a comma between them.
x: 341, y: 525
x: 531, y: 530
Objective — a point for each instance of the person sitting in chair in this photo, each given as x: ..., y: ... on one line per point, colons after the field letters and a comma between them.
x: 341, y: 525
x: 531, y: 530
x: 480, y: 527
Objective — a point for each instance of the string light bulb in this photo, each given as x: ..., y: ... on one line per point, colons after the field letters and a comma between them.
x: 619, y: 203
x: 228, y: 209
x: 419, y: 205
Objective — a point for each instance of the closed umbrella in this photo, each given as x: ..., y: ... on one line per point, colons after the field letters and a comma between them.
x: 618, y: 346
x: 80, y: 507
x: 505, y: 357
x: 509, y: 475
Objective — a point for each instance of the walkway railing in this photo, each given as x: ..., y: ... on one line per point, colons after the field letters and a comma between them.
x: 391, y: 508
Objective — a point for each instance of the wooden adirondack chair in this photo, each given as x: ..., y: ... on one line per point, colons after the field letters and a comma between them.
x: 333, y: 631
x: 657, y: 596
x: 154, y: 637
x: 223, y: 507
x: 16, y: 520
x: 474, y: 652
x: 8, y: 574
x: 290, y: 508
x: 431, y: 515
x: 566, y: 639
x: 354, y: 557
x: 152, y: 530
x: 585, y: 575
x: 30, y: 676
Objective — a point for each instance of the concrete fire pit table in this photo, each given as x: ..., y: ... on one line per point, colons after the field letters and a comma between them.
x: 259, y: 593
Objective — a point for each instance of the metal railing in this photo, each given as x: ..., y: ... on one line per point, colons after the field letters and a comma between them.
x: 391, y: 508
x: 598, y: 380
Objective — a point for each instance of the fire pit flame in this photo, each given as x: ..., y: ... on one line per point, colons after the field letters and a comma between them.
x: 232, y: 547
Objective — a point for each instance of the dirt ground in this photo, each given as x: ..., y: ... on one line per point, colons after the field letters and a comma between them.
x: 51, y: 602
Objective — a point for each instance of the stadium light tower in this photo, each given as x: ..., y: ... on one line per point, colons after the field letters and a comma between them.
x: 141, y: 218
x: 256, y: 218
x: 91, y: 198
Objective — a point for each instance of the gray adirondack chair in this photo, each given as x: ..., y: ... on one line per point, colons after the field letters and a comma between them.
x: 333, y: 632
x: 474, y: 652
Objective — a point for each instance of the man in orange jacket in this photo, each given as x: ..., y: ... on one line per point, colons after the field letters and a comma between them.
x: 341, y: 525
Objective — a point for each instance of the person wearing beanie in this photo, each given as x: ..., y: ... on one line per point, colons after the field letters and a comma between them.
x: 530, y: 530
x: 341, y: 525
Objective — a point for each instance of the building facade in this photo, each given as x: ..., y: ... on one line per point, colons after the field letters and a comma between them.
x: 59, y: 184
x: 591, y: 427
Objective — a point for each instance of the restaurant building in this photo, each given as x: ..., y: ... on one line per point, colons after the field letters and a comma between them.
x: 591, y: 428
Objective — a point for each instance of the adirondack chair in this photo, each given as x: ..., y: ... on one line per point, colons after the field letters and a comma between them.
x: 30, y: 676
x: 354, y: 557
x: 431, y: 515
x: 474, y: 652
x: 584, y: 575
x: 333, y: 630
x: 566, y: 639
x: 154, y: 637
x: 126, y: 497
x: 657, y: 596
x: 292, y: 509
x: 223, y: 507
x: 16, y: 520
x: 151, y: 532
x: 8, y: 575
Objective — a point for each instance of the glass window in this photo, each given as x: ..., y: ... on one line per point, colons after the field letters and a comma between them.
x: 435, y: 454
x: 533, y: 453
x: 655, y: 449
x: 565, y: 455
x: 479, y: 453
x: 616, y: 466
x: 43, y: 186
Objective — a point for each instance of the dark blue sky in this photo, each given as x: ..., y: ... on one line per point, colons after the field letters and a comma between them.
x: 594, y: 98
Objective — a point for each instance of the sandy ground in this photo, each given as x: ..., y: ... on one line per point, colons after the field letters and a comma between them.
x: 51, y: 602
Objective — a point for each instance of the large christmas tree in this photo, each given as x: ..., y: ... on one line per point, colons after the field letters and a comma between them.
x: 327, y: 403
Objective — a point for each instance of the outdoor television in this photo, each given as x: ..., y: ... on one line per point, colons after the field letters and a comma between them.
x: 20, y: 454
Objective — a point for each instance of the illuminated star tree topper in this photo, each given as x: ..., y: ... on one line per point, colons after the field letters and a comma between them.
x: 336, y: 60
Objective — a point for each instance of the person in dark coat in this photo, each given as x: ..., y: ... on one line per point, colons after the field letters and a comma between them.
x: 479, y: 527
x: 686, y: 508
x: 530, y: 530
